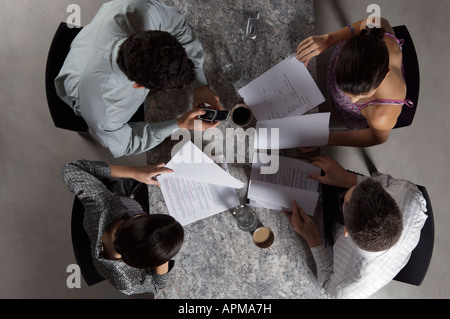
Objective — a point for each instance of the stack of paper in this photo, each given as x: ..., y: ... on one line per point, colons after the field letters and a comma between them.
x: 291, y: 182
x: 198, y: 188
x: 291, y: 132
x: 278, y: 99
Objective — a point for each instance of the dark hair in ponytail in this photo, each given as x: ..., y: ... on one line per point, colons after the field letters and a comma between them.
x: 148, y: 241
x: 363, y: 62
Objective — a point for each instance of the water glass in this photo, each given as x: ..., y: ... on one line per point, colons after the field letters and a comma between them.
x: 246, y: 218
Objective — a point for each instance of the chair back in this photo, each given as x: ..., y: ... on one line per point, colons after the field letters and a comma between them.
x: 417, y: 267
x: 62, y: 114
x: 82, y: 245
x: 332, y: 213
x: 412, y: 76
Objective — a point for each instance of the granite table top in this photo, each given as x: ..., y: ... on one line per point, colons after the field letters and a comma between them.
x: 218, y: 260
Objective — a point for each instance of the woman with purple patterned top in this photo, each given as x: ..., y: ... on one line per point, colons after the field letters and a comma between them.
x: 365, y: 79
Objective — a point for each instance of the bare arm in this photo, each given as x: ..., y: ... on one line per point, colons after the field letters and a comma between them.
x: 381, y: 119
x: 360, y: 138
x: 345, y: 33
x: 315, y: 45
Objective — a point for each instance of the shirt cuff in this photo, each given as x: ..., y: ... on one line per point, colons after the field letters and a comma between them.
x: 161, y: 280
x: 164, y: 129
x: 320, y: 254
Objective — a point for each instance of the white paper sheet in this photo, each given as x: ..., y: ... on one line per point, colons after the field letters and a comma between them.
x: 282, y: 196
x: 189, y: 201
x: 291, y: 172
x: 263, y: 204
x: 192, y: 164
x: 198, y: 188
x: 290, y: 182
x: 297, y: 131
x: 287, y: 89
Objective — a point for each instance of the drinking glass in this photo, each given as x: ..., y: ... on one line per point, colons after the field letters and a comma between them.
x: 246, y: 218
x: 233, y: 72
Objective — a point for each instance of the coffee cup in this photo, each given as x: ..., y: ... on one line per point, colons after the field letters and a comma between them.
x: 263, y: 237
x: 241, y: 115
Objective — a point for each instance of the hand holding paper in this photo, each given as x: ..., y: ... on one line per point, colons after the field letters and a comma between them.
x: 198, y: 187
x: 278, y: 99
x: 285, y: 90
x: 291, y: 182
x: 191, y: 163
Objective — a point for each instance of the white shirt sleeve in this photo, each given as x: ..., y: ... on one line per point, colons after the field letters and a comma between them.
x: 324, y: 262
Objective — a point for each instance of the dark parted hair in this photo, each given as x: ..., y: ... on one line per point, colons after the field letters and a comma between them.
x: 372, y: 217
x: 363, y: 62
x: 156, y: 60
x: 148, y: 241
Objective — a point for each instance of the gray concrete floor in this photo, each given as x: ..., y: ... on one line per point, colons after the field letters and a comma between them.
x: 35, y: 204
x: 417, y: 153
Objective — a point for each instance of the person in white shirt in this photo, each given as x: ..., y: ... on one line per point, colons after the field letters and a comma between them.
x: 383, y: 219
x: 130, y: 48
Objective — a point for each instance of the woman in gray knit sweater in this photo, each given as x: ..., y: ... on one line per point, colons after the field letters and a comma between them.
x: 130, y: 248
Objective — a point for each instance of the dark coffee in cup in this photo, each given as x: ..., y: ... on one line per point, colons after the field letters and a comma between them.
x: 241, y: 115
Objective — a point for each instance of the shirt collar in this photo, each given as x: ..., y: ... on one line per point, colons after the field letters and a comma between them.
x: 364, y: 253
x: 115, y: 67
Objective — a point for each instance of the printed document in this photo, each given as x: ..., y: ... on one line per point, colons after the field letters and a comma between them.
x: 291, y: 182
x: 198, y: 188
x: 285, y: 90
x: 297, y: 131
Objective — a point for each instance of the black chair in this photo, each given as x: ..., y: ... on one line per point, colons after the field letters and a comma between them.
x: 80, y: 240
x: 62, y: 114
x: 82, y: 246
x: 331, y: 211
x: 412, y: 76
x: 416, y: 269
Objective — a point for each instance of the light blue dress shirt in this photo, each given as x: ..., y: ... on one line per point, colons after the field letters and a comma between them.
x: 92, y: 83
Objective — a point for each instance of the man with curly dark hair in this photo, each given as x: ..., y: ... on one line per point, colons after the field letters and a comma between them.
x: 132, y: 48
x: 156, y: 60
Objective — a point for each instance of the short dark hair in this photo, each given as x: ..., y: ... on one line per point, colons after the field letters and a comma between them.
x: 156, y: 60
x: 148, y: 241
x: 363, y: 62
x: 372, y: 217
